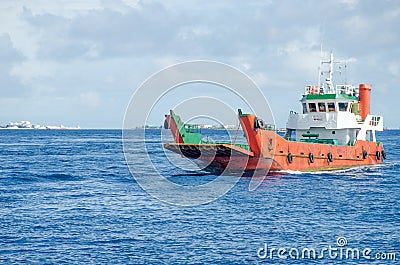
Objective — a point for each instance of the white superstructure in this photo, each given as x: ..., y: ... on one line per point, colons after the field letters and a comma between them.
x: 337, y: 115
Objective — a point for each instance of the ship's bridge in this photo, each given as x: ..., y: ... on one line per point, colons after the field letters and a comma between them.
x: 335, y: 116
x: 338, y: 114
x: 344, y: 99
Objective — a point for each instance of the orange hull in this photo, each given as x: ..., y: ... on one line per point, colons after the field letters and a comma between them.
x: 223, y: 158
x: 271, y: 153
x: 241, y: 161
x: 290, y: 155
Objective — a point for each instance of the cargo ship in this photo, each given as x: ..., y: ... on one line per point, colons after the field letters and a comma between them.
x: 335, y: 130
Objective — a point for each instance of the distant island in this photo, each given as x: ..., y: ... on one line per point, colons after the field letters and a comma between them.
x: 29, y: 125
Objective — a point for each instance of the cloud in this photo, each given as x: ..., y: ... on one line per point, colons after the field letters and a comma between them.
x: 8, y: 54
x: 9, y: 57
x: 98, y: 52
x: 394, y: 69
x: 90, y: 99
x: 104, y: 32
x: 350, y: 3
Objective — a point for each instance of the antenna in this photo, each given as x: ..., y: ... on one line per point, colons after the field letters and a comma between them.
x: 329, y: 80
x: 320, y: 67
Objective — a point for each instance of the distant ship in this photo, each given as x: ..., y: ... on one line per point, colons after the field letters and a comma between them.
x: 334, y: 131
x: 29, y: 125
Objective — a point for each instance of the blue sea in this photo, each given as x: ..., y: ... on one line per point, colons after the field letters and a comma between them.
x: 68, y: 197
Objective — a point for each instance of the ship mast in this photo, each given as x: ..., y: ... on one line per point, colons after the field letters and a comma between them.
x: 330, y: 84
x: 328, y: 81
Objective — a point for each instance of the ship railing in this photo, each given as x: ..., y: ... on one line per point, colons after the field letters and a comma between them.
x: 270, y: 127
x: 192, y: 128
x: 347, y: 90
x: 312, y: 90
x: 340, y: 89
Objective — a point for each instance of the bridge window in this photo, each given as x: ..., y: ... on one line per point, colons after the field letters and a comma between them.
x: 331, y: 107
x: 321, y: 107
x: 343, y: 106
x: 312, y: 107
x: 304, y: 108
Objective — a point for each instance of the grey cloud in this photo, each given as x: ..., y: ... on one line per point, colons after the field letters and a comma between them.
x: 157, y: 30
x: 9, y: 56
x: 218, y: 31
x: 279, y: 40
x: 105, y: 33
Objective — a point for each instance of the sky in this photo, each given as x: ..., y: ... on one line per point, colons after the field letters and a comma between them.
x: 76, y: 62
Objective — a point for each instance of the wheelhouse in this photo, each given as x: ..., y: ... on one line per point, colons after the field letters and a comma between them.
x: 339, y: 115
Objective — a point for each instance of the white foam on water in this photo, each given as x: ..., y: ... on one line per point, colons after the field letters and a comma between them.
x: 355, y: 169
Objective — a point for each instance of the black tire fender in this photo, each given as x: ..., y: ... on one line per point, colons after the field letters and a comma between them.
x: 259, y: 123
x: 378, y: 155
x: 311, y: 157
x: 330, y: 157
x: 364, y: 154
x: 290, y: 158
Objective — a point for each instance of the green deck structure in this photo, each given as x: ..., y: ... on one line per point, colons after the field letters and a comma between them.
x: 192, y: 134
